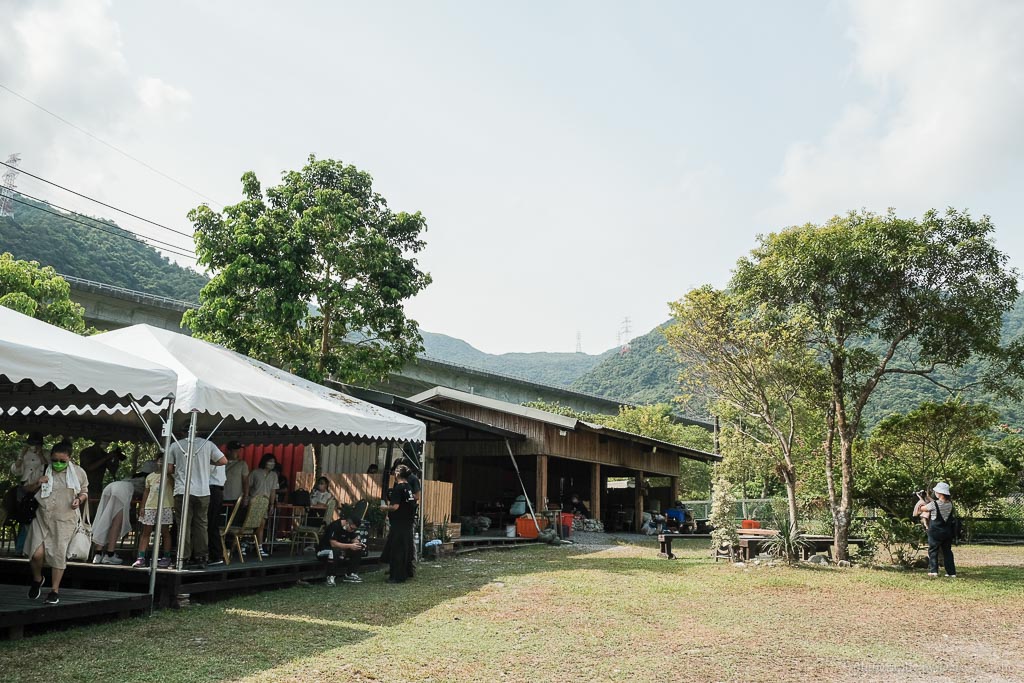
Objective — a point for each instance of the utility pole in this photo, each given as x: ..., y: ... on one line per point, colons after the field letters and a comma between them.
x: 7, y: 188
x: 579, y: 342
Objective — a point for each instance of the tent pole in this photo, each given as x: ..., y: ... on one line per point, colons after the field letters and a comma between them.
x: 183, y: 522
x: 138, y: 411
x: 168, y: 429
x: 520, y: 478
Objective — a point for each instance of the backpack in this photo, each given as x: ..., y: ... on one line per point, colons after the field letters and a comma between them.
x: 951, y: 527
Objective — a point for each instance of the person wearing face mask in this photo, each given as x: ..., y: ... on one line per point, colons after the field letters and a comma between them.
x: 27, y: 468
x: 61, y: 491
x: 263, y: 482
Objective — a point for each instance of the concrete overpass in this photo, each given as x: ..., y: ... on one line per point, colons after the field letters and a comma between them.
x: 108, y: 307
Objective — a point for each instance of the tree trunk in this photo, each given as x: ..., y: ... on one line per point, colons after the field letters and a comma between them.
x: 789, y: 476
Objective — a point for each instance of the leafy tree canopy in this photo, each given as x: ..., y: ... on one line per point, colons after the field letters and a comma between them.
x: 951, y: 442
x: 312, y: 274
x: 39, y: 292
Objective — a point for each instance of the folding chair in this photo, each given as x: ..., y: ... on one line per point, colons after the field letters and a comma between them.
x: 258, y: 507
x: 310, y: 534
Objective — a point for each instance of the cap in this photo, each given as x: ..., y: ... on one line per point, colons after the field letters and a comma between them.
x: 149, y: 467
x: 234, y: 445
x: 942, y: 487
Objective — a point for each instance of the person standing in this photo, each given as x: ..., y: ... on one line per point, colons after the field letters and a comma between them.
x: 205, y: 455
x: 398, y: 548
x: 218, y: 476
x: 940, y: 530
x: 263, y: 482
x: 236, y: 480
x: 95, y: 461
x: 61, y: 491
x: 156, y: 487
x: 30, y: 464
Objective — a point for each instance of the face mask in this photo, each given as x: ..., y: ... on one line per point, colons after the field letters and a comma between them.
x: 60, y: 465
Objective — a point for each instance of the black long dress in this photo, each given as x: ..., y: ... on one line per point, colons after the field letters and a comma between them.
x: 398, y: 548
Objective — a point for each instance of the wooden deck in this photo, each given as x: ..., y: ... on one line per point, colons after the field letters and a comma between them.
x: 17, y: 612
x: 173, y: 587
x: 469, y: 544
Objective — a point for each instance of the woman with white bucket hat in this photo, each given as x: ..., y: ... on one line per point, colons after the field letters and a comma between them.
x: 940, y: 530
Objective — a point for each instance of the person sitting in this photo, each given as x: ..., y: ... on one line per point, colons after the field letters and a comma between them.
x: 576, y: 506
x: 342, y: 548
x: 676, y: 516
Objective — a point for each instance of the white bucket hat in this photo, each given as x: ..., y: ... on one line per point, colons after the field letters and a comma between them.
x: 942, y: 487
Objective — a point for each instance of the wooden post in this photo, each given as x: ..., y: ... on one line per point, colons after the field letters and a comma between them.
x: 460, y: 465
x: 595, y: 490
x: 673, y: 491
x: 638, y: 514
x: 541, y: 501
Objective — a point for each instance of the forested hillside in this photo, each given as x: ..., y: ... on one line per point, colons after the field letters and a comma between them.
x: 644, y: 374
x: 648, y: 374
x: 558, y: 369
x: 74, y: 249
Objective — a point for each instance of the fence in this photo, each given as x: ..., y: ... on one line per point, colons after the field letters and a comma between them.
x: 348, y: 488
x: 998, y: 518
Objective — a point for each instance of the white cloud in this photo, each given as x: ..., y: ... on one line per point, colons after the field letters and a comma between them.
x: 938, y: 120
x: 68, y: 56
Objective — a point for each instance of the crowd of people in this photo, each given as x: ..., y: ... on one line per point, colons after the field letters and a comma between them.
x: 54, y: 497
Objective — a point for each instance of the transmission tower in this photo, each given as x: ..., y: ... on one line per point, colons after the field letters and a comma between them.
x: 579, y: 342
x: 7, y: 188
x: 624, y: 331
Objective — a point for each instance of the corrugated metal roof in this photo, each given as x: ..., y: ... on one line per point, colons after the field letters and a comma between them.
x: 561, y: 421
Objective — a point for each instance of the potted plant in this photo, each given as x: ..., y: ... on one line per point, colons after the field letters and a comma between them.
x: 445, y: 535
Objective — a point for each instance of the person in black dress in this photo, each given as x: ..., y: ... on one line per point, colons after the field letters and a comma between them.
x: 398, y: 548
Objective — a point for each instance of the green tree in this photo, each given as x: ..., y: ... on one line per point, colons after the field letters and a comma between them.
x: 753, y: 370
x: 312, y: 275
x: 937, y: 442
x: 881, y: 296
x: 39, y: 292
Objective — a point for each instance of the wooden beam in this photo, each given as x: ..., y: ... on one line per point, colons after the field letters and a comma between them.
x: 638, y: 514
x: 675, y: 490
x: 460, y: 465
x: 541, y: 500
x: 595, y: 490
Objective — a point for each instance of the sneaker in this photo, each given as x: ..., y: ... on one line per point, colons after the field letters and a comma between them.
x: 111, y: 559
x: 36, y: 589
x: 351, y: 578
x: 950, y: 576
x: 96, y: 558
x: 216, y: 562
x: 163, y: 562
x: 139, y: 563
x: 265, y: 550
x: 52, y: 598
x: 330, y: 581
x: 933, y: 574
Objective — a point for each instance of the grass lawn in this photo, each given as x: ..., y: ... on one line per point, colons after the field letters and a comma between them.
x: 615, y: 613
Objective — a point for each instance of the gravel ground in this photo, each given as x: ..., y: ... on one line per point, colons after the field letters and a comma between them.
x: 599, y: 539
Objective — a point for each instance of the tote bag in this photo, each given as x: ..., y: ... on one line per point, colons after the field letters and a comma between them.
x: 81, y: 541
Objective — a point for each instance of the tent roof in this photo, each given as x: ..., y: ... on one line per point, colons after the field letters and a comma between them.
x: 256, y: 400
x: 44, y: 365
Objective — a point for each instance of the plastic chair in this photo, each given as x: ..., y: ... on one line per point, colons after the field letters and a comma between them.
x: 258, y: 507
x: 310, y: 534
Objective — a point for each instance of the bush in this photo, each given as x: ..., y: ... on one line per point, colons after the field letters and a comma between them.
x: 898, y: 539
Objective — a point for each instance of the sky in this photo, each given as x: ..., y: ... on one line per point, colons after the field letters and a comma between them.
x: 578, y: 163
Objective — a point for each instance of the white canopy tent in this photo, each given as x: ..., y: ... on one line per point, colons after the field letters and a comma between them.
x: 235, y: 396
x: 44, y: 366
x: 252, y: 400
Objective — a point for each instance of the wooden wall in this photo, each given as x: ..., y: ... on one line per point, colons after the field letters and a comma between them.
x: 436, y: 498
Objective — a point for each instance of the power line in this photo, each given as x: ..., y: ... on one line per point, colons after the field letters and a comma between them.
x: 138, y: 235
x: 107, y: 144
x: 124, y: 235
x: 97, y: 201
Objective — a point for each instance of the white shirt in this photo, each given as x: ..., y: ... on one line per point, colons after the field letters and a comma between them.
x: 218, y: 475
x: 204, y: 454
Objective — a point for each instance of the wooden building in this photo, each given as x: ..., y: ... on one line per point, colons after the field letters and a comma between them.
x: 556, y: 457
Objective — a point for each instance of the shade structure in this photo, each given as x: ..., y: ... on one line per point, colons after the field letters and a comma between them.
x: 42, y: 365
x: 255, y: 401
